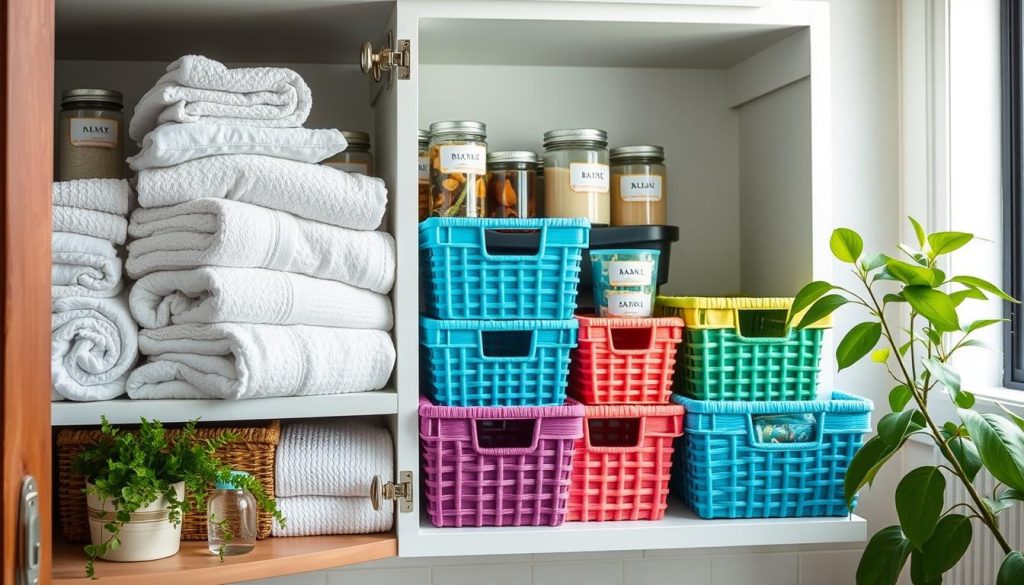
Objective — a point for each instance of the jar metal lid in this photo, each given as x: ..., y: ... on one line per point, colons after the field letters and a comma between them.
x: 512, y: 156
x: 459, y: 127
x: 423, y: 136
x: 356, y: 139
x: 637, y: 151
x: 555, y: 137
x: 109, y: 96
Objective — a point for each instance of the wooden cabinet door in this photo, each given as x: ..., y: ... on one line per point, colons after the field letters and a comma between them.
x: 26, y: 171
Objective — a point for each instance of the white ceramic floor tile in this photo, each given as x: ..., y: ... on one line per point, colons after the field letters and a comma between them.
x: 514, y: 574
x: 589, y: 573
x: 314, y: 578
x: 621, y: 555
x: 379, y: 577
x: 829, y: 568
x: 763, y: 569
x: 693, y: 571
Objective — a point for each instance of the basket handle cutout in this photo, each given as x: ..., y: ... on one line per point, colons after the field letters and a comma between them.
x: 632, y: 340
x: 518, y: 244
x: 613, y: 435
x: 508, y: 346
x: 795, y: 431
x: 764, y: 325
x: 506, y: 436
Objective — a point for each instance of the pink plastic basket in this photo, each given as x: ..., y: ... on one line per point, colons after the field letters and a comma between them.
x: 498, y: 466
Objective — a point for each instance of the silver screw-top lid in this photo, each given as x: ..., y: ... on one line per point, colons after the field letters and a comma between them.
x: 356, y: 139
x: 637, y: 151
x: 107, y: 96
x: 554, y: 137
x: 512, y: 156
x: 459, y: 127
x: 423, y: 136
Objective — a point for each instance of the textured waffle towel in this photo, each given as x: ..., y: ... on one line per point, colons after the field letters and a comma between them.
x: 197, y: 89
x: 316, y: 192
x: 321, y: 515
x: 213, y: 294
x: 337, y: 457
x: 89, y: 222
x: 84, y: 266
x: 106, y: 195
x: 236, y: 361
x: 93, y: 344
x: 219, y: 232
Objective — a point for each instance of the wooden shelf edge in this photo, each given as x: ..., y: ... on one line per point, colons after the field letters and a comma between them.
x: 195, y: 565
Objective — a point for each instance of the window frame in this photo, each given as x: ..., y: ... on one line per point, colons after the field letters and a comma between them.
x: 1012, y: 49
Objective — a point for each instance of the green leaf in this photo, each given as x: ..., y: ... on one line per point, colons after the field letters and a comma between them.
x: 964, y: 399
x: 997, y: 506
x: 846, y: 245
x: 921, y: 238
x: 899, y: 397
x: 933, y: 305
x: 881, y: 355
x: 857, y: 343
x: 807, y: 296
x: 918, y: 574
x: 873, y: 262
x: 822, y: 308
x: 1017, y: 420
x: 919, y: 503
x: 968, y: 293
x: 865, y: 465
x: 950, y: 379
x: 984, y: 285
x: 893, y: 298
x: 947, y: 545
x: 884, y: 557
x: 895, y: 427
x: 1011, y: 572
x: 1000, y: 444
x: 941, y: 243
x: 966, y: 453
x: 1012, y: 494
x: 980, y: 324
x: 912, y: 275
x: 914, y: 254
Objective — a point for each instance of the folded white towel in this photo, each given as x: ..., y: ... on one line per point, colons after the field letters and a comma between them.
x: 219, y: 232
x: 84, y: 266
x: 323, y: 515
x: 315, y: 192
x: 89, y: 222
x: 332, y: 457
x: 197, y: 89
x: 173, y: 144
x: 213, y: 294
x: 236, y: 361
x: 93, y: 345
x: 106, y: 195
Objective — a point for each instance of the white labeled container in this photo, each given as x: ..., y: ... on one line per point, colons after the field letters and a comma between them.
x: 576, y: 174
x: 148, y: 536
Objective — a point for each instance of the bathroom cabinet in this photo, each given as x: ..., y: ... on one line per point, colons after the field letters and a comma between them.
x: 737, y: 91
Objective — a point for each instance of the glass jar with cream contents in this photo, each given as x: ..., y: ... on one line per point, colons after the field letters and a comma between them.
x: 458, y: 165
x: 423, y: 169
x: 356, y: 158
x: 91, y: 144
x: 576, y: 174
x: 638, y: 185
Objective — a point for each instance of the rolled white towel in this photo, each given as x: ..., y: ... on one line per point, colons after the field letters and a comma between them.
x: 323, y: 515
x: 93, y: 345
x: 84, y: 266
x: 332, y: 457
x: 89, y: 222
x: 106, y: 195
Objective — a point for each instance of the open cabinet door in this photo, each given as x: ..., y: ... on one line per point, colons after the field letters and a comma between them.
x: 27, y: 169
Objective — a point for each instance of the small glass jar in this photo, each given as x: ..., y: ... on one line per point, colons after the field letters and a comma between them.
x: 538, y: 192
x: 231, y: 518
x: 91, y: 141
x: 356, y: 158
x: 458, y: 163
x: 638, y: 185
x: 423, y: 169
x: 511, y: 183
x: 576, y: 176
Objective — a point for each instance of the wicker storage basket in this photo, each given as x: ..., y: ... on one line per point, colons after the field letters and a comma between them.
x: 252, y: 452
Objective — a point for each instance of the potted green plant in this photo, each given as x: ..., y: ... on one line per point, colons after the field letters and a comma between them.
x: 140, y: 483
x: 932, y: 533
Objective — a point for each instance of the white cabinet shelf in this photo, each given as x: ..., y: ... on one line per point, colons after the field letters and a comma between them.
x: 123, y: 411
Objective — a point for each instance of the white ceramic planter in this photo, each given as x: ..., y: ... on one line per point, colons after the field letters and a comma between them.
x: 148, y: 536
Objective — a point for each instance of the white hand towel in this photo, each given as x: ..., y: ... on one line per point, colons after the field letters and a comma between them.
x: 332, y: 457
x: 213, y: 294
x: 106, y: 195
x: 89, y: 222
x: 197, y: 89
x: 93, y: 344
x: 323, y: 515
x: 238, y: 361
x: 219, y: 232
x: 84, y: 266
x: 316, y: 192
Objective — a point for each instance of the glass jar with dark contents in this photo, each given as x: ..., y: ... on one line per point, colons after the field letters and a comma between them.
x: 458, y: 163
x: 511, y: 183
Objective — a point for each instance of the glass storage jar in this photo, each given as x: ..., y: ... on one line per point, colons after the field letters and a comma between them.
x: 576, y: 174
x: 511, y: 183
x: 538, y: 192
x: 458, y: 163
x: 638, y: 185
x: 423, y: 170
x: 356, y: 158
x: 231, y: 518
x: 91, y: 135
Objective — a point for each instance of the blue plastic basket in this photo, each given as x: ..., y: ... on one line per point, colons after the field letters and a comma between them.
x: 496, y: 363
x: 721, y: 470
x: 502, y: 268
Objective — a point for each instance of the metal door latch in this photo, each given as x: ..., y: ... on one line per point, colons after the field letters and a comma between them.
x: 400, y: 492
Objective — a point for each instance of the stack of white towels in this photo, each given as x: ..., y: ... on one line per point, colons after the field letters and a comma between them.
x: 94, y: 340
x: 259, y: 273
x: 322, y: 476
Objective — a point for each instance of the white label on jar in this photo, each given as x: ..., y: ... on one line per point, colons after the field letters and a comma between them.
x: 640, y: 187
x: 628, y: 304
x: 588, y: 177
x: 464, y: 158
x: 424, y: 169
x: 101, y: 132
x: 349, y: 167
x: 629, y: 273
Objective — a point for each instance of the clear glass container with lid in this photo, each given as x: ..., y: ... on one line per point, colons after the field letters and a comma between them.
x: 576, y: 174
x: 91, y: 135
x: 638, y: 185
x: 458, y: 164
x: 356, y: 158
x: 511, y: 183
x: 423, y: 170
x: 231, y: 518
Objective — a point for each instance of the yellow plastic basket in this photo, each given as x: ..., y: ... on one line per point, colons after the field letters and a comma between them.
x: 724, y: 312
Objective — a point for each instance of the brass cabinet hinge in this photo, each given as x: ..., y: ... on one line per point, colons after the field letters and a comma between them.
x: 400, y: 492
x: 388, y: 58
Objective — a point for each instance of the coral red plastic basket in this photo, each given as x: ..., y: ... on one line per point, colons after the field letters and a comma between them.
x: 624, y: 361
x: 623, y: 462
